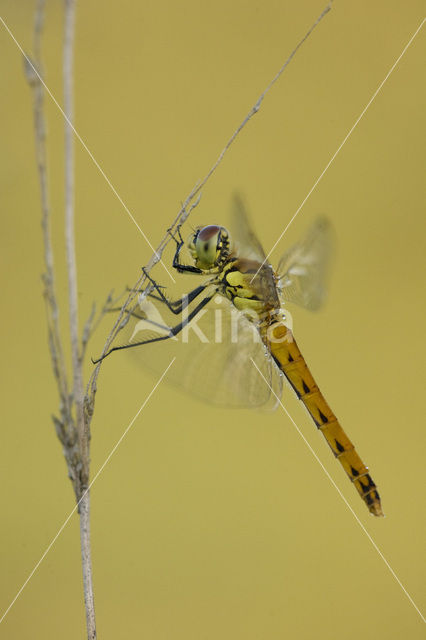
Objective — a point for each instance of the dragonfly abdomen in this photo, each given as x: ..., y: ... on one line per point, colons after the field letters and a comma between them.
x: 279, y: 340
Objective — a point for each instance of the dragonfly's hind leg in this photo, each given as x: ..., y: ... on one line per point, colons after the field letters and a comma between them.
x: 174, y: 331
x: 163, y: 299
x: 144, y: 317
x: 175, y: 306
x: 129, y: 313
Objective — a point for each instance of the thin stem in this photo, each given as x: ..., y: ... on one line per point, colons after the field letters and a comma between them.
x: 72, y: 431
x: 52, y: 309
x: 78, y: 389
x: 69, y: 227
x: 86, y: 559
x: 255, y: 108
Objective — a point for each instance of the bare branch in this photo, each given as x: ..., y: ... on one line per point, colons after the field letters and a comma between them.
x: 69, y: 232
x: 181, y: 217
x: 52, y: 310
x: 255, y: 108
x: 92, y: 324
x: 78, y: 388
x: 72, y: 432
x: 84, y: 511
x: 87, y: 330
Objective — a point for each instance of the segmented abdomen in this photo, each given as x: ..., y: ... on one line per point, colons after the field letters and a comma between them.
x: 289, y: 359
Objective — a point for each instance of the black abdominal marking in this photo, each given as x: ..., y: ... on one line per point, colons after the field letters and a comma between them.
x: 339, y: 446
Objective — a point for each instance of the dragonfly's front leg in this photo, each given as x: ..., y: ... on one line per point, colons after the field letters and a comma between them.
x: 182, y: 268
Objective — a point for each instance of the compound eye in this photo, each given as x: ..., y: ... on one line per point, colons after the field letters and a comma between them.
x: 206, y: 244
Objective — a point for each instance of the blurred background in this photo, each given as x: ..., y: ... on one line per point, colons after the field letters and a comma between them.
x: 209, y: 523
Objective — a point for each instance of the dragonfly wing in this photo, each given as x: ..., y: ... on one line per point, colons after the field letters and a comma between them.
x: 303, y: 269
x: 213, y: 357
x: 247, y: 244
x: 226, y: 373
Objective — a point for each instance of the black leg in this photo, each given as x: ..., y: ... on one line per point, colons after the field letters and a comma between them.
x: 182, y: 268
x: 153, y: 296
x: 141, y: 317
x: 173, y: 331
x: 129, y: 313
x: 164, y: 299
x: 175, y: 306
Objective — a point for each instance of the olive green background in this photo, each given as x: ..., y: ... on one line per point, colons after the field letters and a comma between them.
x: 209, y: 523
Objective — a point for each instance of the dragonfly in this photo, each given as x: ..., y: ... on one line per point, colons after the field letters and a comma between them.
x: 258, y: 340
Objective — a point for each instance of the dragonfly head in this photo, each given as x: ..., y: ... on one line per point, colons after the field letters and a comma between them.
x: 209, y: 246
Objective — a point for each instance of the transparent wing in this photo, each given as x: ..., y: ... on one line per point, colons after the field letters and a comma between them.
x: 213, y: 356
x: 246, y: 243
x: 303, y: 270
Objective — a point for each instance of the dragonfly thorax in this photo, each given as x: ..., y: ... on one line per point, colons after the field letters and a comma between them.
x: 209, y: 247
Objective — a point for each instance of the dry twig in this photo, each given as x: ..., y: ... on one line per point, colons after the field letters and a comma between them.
x: 71, y: 427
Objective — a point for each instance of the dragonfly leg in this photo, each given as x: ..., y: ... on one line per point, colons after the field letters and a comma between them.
x: 179, y: 239
x: 182, y: 268
x: 152, y: 295
x: 142, y: 317
x: 175, y: 306
x: 174, y: 331
x: 129, y: 313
